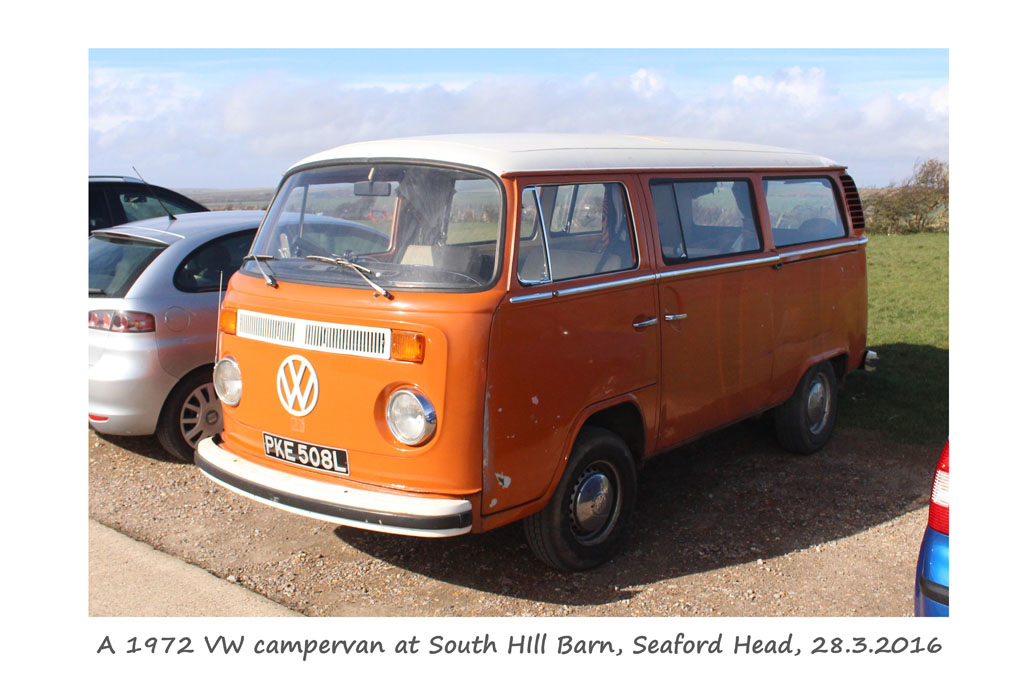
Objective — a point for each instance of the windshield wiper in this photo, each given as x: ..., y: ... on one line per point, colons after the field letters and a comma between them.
x: 269, y: 279
x: 361, y: 271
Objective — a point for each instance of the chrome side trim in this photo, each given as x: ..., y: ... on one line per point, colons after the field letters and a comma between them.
x: 830, y: 248
x: 719, y: 266
x: 686, y: 271
x: 531, y: 297
x: 580, y: 290
x: 604, y: 285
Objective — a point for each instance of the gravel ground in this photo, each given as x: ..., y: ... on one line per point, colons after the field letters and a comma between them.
x: 729, y: 525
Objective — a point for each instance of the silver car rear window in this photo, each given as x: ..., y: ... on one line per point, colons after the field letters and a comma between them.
x: 115, y: 263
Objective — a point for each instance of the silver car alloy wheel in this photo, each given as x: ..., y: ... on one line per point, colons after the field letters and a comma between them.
x: 200, y: 415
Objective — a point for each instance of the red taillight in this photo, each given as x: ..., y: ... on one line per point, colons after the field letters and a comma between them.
x: 97, y: 418
x: 938, y: 511
x: 122, y: 321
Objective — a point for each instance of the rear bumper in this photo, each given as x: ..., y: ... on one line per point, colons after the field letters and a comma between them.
x: 391, y: 513
x: 931, y: 587
x: 127, y: 384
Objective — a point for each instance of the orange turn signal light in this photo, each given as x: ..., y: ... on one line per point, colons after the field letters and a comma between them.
x: 228, y: 320
x: 408, y: 346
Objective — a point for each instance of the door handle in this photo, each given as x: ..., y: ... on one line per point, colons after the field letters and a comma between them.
x: 645, y: 323
x: 672, y: 317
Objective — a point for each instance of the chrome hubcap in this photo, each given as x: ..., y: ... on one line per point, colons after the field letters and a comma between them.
x: 819, y: 404
x: 594, y: 505
x: 200, y: 415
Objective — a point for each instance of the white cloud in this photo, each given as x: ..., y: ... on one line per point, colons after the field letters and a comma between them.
x: 646, y: 83
x: 247, y: 133
x: 931, y: 102
x: 119, y: 97
x: 793, y: 84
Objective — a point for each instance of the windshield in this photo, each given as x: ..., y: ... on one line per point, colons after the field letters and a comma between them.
x: 116, y: 262
x: 405, y: 226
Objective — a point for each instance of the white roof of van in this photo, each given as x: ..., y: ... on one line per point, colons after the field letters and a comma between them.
x: 542, y: 152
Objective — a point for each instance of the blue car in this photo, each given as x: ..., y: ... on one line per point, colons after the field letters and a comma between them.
x: 931, y: 588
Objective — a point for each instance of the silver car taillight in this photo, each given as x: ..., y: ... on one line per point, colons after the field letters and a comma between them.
x: 122, y: 321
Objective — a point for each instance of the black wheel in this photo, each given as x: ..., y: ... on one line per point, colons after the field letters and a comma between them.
x: 587, y: 517
x: 803, y: 424
x: 190, y: 414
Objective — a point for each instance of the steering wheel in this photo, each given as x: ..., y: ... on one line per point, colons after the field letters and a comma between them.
x: 465, y: 276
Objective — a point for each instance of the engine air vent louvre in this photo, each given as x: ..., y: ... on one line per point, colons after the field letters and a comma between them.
x: 853, y: 201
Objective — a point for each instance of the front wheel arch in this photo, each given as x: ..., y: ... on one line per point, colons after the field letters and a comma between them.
x: 588, y: 515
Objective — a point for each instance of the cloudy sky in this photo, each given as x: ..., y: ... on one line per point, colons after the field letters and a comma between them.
x: 229, y: 118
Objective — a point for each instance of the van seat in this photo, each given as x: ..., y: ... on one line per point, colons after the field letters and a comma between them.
x: 455, y: 259
x: 567, y: 263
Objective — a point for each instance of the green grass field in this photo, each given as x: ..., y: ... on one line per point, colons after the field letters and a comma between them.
x: 908, y: 325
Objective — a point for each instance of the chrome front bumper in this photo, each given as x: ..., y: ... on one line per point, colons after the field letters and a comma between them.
x: 392, y: 513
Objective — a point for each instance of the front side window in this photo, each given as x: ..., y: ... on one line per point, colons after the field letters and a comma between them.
x: 209, y: 267
x: 802, y: 210
x: 574, y: 230
x: 704, y: 218
x: 402, y: 225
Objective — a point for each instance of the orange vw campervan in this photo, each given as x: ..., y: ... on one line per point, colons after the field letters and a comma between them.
x: 441, y: 335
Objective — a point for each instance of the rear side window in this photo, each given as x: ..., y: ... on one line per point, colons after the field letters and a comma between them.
x: 574, y: 230
x: 802, y: 210
x: 704, y: 218
x: 140, y: 203
x: 209, y: 267
x: 99, y: 215
x: 115, y: 263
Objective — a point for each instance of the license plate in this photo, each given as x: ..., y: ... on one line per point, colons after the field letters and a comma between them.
x: 309, y: 455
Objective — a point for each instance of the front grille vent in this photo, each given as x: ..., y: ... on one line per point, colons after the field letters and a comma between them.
x: 360, y: 341
x: 853, y: 201
x: 352, y: 340
x: 265, y: 327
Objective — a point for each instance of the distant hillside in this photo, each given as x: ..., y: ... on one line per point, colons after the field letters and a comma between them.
x: 259, y: 198
x: 224, y: 200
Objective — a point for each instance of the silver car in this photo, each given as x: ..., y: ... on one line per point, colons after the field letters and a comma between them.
x: 154, y: 288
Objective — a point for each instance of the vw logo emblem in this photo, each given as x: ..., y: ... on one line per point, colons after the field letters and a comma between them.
x: 297, y: 386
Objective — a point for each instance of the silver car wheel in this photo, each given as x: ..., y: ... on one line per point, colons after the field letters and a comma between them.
x: 200, y: 415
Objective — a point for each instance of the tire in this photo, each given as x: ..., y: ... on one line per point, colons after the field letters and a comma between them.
x: 588, y: 515
x: 190, y: 414
x: 803, y: 424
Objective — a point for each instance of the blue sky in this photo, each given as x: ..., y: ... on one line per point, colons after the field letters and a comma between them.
x: 239, y: 117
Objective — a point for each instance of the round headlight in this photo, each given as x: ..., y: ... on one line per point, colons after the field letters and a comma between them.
x: 227, y: 381
x: 410, y: 417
